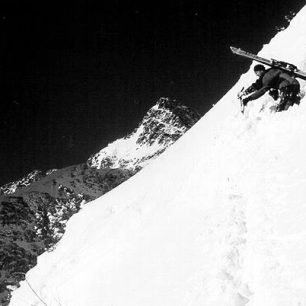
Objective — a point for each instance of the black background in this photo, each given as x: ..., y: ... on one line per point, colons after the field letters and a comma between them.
x: 78, y: 75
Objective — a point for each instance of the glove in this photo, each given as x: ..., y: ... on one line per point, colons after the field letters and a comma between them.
x: 273, y: 93
x: 246, y: 100
x: 249, y: 90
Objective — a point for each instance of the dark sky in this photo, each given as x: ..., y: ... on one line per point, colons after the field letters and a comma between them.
x: 76, y: 75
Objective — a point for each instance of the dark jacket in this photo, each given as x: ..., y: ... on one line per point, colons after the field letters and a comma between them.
x: 272, y: 78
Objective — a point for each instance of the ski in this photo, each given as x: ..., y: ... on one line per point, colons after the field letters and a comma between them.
x: 272, y: 63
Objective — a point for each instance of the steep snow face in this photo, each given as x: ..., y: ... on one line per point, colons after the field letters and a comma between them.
x: 164, y: 123
x: 217, y: 220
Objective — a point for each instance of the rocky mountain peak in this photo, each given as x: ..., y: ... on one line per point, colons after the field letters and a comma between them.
x: 163, y: 124
x: 166, y: 122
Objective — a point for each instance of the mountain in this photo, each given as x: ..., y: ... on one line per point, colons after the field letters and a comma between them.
x: 218, y: 219
x: 35, y: 209
x: 164, y: 123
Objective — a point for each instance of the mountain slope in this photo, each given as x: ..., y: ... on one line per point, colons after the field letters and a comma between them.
x: 218, y: 219
x: 34, y: 210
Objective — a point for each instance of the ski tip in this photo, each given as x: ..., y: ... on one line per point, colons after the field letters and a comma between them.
x: 235, y: 50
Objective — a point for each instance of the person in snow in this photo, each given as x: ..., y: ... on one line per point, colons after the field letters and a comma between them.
x: 279, y: 83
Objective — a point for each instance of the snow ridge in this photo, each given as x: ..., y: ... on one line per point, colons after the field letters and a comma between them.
x: 26, y: 181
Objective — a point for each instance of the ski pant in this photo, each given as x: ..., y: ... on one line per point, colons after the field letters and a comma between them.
x: 289, y: 96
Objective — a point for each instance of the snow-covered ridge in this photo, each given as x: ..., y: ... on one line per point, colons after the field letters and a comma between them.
x: 30, y: 178
x: 164, y: 123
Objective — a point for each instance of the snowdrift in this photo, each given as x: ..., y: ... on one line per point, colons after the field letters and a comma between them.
x: 218, y: 219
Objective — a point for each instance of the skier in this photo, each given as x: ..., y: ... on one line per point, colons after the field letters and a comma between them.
x: 279, y: 83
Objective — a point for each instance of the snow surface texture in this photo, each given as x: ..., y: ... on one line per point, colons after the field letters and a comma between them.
x: 217, y: 220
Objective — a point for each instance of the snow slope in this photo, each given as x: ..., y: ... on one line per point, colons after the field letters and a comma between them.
x: 216, y: 220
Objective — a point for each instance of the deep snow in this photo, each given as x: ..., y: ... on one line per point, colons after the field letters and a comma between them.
x: 216, y: 220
